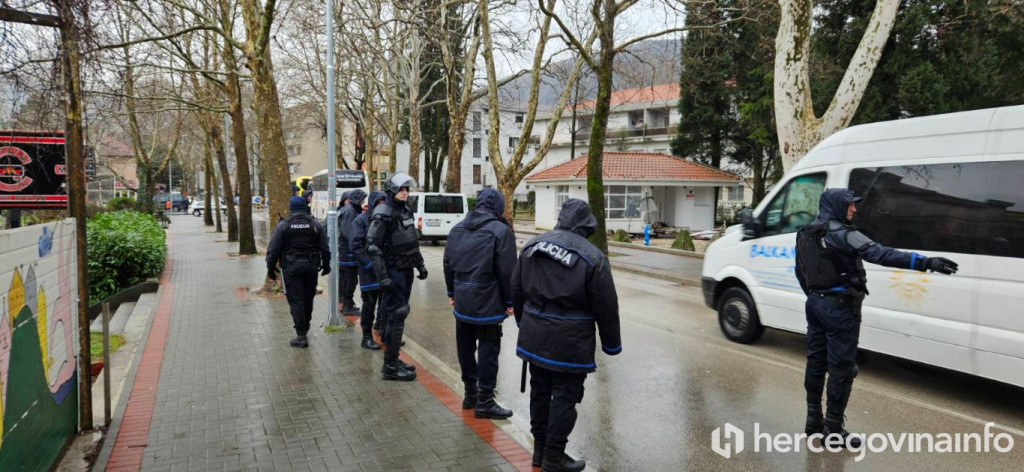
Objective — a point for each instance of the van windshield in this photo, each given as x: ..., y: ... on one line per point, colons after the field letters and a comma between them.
x: 443, y: 204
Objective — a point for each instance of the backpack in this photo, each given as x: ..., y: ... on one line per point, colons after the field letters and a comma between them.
x: 815, y: 259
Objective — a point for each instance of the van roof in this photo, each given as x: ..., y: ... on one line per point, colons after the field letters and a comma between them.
x: 969, y: 133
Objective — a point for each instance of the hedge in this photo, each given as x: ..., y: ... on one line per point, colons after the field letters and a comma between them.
x: 124, y: 248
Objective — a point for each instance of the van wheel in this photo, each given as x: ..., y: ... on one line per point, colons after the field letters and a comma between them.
x: 197, y: 213
x: 737, y: 316
x: 176, y: 209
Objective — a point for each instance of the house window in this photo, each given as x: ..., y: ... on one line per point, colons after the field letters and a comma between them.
x: 636, y: 119
x: 512, y: 142
x: 476, y: 173
x: 519, y: 120
x: 476, y: 122
x: 618, y: 197
x: 476, y: 147
x: 561, y: 195
x: 735, y: 193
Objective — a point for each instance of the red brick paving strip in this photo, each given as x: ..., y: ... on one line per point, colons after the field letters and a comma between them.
x: 134, y: 433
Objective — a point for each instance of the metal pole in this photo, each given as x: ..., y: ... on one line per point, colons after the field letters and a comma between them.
x: 106, y: 364
x: 332, y: 212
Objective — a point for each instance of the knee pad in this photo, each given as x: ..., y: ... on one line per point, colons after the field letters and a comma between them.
x: 400, y: 313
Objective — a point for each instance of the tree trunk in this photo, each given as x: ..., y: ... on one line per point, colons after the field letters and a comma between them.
x: 208, y: 191
x: 798, y: 127
x: 217, y: 142
x: 595, y: 179
x: 456, y: 138
x: 214, y: 206
x: 246, y: 239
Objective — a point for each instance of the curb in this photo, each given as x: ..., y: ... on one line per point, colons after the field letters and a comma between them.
x: 684, y: 281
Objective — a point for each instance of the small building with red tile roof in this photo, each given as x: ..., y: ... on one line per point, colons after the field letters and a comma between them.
x: 681, y: 189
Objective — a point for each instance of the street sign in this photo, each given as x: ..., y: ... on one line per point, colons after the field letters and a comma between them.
x: 32, y: 170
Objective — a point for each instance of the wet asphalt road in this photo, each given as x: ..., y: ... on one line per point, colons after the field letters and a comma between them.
x: 654, y: 406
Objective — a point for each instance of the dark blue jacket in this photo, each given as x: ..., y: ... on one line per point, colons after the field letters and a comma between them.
x: 346, y: 215
x: 851, y: 247
x: 356, y: 232
x: 479, y: 258
x: 562, y: 292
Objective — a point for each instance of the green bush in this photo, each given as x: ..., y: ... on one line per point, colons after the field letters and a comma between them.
x: 683, y: 241
x: 621, y: 236
x: 120, y: 204
x: 471, y: 201
x: 124, y: 248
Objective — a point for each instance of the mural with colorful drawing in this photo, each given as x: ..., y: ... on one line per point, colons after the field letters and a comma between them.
x: 38, y: 344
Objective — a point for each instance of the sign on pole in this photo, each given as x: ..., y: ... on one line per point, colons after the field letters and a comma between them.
x: 32, y: 170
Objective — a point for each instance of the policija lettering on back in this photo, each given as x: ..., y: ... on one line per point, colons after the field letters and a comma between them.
x: 556, y: 252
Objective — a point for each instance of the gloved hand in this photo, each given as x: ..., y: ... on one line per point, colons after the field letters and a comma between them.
x: 325, y: 270
x: 422, y: 272
x: 942, y: 265
x: 386, y: 282
x: 272, y: 273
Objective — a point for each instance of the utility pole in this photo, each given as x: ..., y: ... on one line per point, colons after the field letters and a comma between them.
x: 332, y: 211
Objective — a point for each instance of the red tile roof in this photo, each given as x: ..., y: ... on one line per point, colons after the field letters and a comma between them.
x: 639, y: 95
x: 637, y: 166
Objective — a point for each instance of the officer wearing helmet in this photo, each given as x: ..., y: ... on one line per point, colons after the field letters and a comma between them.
x: 299, y: 244
x: 829, y: 266
x: 351, y: 206
x: 392, y: 245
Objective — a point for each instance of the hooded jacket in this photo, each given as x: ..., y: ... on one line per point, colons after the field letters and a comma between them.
x: 356, y: 231
x: 479, y: 258
x: 851, y: 247
x: 346, y: 215
x: 562, y: 293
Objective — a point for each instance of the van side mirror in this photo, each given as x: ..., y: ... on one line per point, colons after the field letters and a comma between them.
x: 751, y: 228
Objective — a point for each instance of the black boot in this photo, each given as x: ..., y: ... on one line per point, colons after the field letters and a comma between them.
x: 409, y: 367
x: 351, y: 310
x: 815, y: 423
x: 299, y: 341
x: 470, y: 398
x: 486, y: 407
x: 835, y: 435
x: 394, y: 371
x: 559, y: 461
x: 538, y: 451
x: 369, y: 343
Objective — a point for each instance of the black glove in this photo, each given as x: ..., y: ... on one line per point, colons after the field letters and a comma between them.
x: 942, y: 265
x: 325, y: 270
x: 272, y: 273
x: 422, y: 272
x: 385, y: 282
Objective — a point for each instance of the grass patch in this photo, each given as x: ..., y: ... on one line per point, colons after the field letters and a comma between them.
x: 96, y: 344
x: 334, y: 329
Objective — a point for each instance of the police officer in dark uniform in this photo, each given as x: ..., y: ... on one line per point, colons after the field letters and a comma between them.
x: 369, y: 288
x: 479, y: 258
x: 829, y: 266
x: 392, y: 244
x: 562, y: 288
x: 299, y: 243
x: 350, y: 208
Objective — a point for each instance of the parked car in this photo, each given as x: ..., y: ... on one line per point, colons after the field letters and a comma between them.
x: 178, y: 201
x: 199, y: 206
x: 437, y: 213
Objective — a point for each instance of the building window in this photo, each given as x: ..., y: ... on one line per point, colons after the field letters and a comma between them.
x: 512, y: 142
x: 519, y: 120
x: 476, y: 174
x: 618, y: 197
x: 561, y: 195
x: 476, y: 147
x: 477, y: 122
x: 735, y: 193
x: 636, y: 119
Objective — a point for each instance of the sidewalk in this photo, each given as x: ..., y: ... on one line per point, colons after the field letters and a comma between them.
x: 219, y: 388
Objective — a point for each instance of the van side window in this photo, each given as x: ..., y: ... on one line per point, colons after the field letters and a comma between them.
x: 443, y: 204
x: 795, y: 205
x: 966, y: 208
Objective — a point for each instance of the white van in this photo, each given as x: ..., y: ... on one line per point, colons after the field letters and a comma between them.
x: 948, y: 185
x: 437, y: 213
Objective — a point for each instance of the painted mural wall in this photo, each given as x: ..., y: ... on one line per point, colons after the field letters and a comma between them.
x: 38, y: 344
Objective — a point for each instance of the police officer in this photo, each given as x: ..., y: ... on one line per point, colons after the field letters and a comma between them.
x: 299, y: 243
x: 561, y: 288
x: 351, y: 207
x: 392, y: 244
x: 478, y: 262
x: 829, y: 266
x: 369, y: 288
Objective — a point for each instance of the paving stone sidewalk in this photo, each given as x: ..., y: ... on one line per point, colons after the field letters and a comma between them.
x: 233, y: 395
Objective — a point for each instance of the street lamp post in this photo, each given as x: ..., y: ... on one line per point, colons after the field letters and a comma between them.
x: 332, y: 212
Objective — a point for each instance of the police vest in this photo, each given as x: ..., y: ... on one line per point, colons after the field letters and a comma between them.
x: 301, y: 239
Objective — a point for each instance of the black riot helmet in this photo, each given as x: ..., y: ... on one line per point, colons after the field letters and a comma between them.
x: 397, y: 181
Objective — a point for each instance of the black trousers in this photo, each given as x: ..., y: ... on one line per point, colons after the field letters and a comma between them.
x: 348, y: 278
x: 392, y: 301
x: 553, y: 399
x: 370, y: 299
x: 833, y: 332
x: 478, y: 347
x: 300, y: 288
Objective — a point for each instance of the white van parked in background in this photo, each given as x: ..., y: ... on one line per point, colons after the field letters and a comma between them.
x: 948, y: 185
x: 437, y: 213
